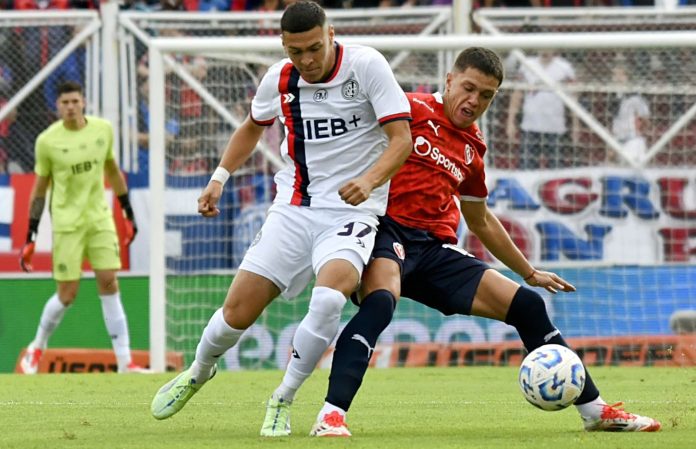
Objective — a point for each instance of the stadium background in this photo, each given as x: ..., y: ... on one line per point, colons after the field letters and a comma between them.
x: 622, y: 232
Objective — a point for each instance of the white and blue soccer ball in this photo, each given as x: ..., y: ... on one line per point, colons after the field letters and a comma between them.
x: 552, y: 377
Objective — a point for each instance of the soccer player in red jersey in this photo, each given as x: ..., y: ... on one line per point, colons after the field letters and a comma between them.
x: 415, y: 253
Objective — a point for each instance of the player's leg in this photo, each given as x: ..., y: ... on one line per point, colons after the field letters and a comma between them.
x: 356, y: 343
x: 502, y: 299
x: 380, y: 289
x: 276, y: 261
x: 67, y: 265
x: 339, y: 253
x: 115, y: 320
x: 102, y: 250
x: 247, y: 297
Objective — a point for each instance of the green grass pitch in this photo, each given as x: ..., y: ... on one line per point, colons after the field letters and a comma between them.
x: 428, y: 408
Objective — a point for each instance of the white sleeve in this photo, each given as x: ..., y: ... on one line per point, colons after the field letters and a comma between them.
x: 569, y: 71
x: 386, y: 96
x: 264, y: 105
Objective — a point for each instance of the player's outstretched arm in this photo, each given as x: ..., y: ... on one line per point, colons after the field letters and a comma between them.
x: 482, y: 222
x: 238, y: 150
x: 358, y: 190
x: 118, y: 184
x: 37, y: 200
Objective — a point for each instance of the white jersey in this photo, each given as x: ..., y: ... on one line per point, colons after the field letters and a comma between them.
x: 332, y: 128
x: 543, y: 110
x: 631, y: 109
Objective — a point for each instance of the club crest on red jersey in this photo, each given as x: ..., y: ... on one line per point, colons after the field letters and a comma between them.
x: 399, y: 250
x: 468, y: 154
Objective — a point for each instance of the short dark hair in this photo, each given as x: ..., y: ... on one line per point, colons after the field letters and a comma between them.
x: 302, y: 16
x: 69, y: 86
x: 481, y: 59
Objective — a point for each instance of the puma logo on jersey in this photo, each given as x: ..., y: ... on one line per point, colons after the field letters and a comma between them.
x: 361, y: 339
x: 434, y: 127
x: 426, y: 105
x: 287, y: 98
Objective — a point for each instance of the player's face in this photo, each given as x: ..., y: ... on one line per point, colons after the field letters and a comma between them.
x: 467, y: 96
x: 70, y: 106
x: 311, y: 52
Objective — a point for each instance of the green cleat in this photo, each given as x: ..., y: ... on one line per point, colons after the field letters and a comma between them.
x: 277, y: 420
x: 175, y: 394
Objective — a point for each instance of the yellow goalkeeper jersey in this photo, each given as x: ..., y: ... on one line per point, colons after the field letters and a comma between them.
x: 74, y: 160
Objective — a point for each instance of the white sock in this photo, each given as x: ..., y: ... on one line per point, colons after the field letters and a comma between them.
x: 328, y: 408
x: 52, y: 315
x: 593, y: 409
x: 217, y: 338
x: 314, y: 334
x: 117, y: 327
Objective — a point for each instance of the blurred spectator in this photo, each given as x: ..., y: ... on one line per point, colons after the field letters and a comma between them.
x: 542, y: 131
x: 631, y: 120
x: 171, y: 129
x: 71, y: 69
x: 16, y: 145
x: 514, y: 3
x: 141, y: 5
x: 207, y: 5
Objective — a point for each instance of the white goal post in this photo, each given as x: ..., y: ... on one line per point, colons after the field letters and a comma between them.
x: 616, y: 165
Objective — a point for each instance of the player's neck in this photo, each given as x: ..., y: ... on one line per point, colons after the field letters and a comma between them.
x: 75, y: 125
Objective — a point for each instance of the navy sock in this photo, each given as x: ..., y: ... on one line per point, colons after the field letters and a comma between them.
x: 528, y: 314
x: 355, y: 346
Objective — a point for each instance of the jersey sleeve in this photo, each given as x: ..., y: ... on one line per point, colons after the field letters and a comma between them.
x: 388, y: 99
x: 263, y: 106
x: 109, y: 135
x: 474, y: 188
x: 42, y: 167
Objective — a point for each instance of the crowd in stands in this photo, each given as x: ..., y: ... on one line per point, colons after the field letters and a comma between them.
x: 277, y: 5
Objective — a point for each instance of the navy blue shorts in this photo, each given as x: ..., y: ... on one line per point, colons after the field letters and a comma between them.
x: 439, y: 275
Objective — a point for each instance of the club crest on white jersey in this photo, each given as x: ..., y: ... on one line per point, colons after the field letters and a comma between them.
x: 333, y: 127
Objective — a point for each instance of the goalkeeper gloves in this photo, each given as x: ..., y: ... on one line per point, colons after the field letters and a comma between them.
x: 130, y: 227
x: 27, y: 251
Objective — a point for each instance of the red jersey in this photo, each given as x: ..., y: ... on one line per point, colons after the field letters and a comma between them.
x: 445, y: 161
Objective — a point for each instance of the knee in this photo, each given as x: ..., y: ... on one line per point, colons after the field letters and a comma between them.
x: 67, y: 294
x: 68, y: 300
x: 326, y: 302
x: 525, y: 306
x: 238, y: 316
x: 107, y: 285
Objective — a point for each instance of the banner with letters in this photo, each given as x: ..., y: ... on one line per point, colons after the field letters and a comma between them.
x: 591, y: 214
x: 594, y: 214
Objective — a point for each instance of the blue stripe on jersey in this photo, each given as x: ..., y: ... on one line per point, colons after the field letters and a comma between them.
x: 4, y: 230
x: 299, y: 137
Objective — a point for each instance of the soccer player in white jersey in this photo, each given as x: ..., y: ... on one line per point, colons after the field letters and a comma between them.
x: 347, y: 133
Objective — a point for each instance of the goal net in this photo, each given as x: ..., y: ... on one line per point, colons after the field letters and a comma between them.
x: 617, y: 222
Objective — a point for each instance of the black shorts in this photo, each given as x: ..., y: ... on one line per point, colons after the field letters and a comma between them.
x: 436, y: 274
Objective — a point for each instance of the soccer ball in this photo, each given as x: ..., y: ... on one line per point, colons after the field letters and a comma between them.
x: 552, y: 377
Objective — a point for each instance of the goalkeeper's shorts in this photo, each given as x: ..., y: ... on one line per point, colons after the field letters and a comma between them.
x: 70, y: 249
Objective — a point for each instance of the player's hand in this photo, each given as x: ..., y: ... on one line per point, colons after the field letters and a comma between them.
x: 550, y: 281
x: 131, y: 229
x: 355, y: 191
x: 207, y: 203
x: 25, y: 256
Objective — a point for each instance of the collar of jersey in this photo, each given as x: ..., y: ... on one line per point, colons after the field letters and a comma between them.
x: 337, y: 65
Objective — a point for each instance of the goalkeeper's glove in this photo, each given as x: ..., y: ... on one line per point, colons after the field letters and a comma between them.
x: 131, y: 229
x: 27, y: 251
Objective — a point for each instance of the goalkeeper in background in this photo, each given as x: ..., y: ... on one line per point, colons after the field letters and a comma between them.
x: 73, y: 155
